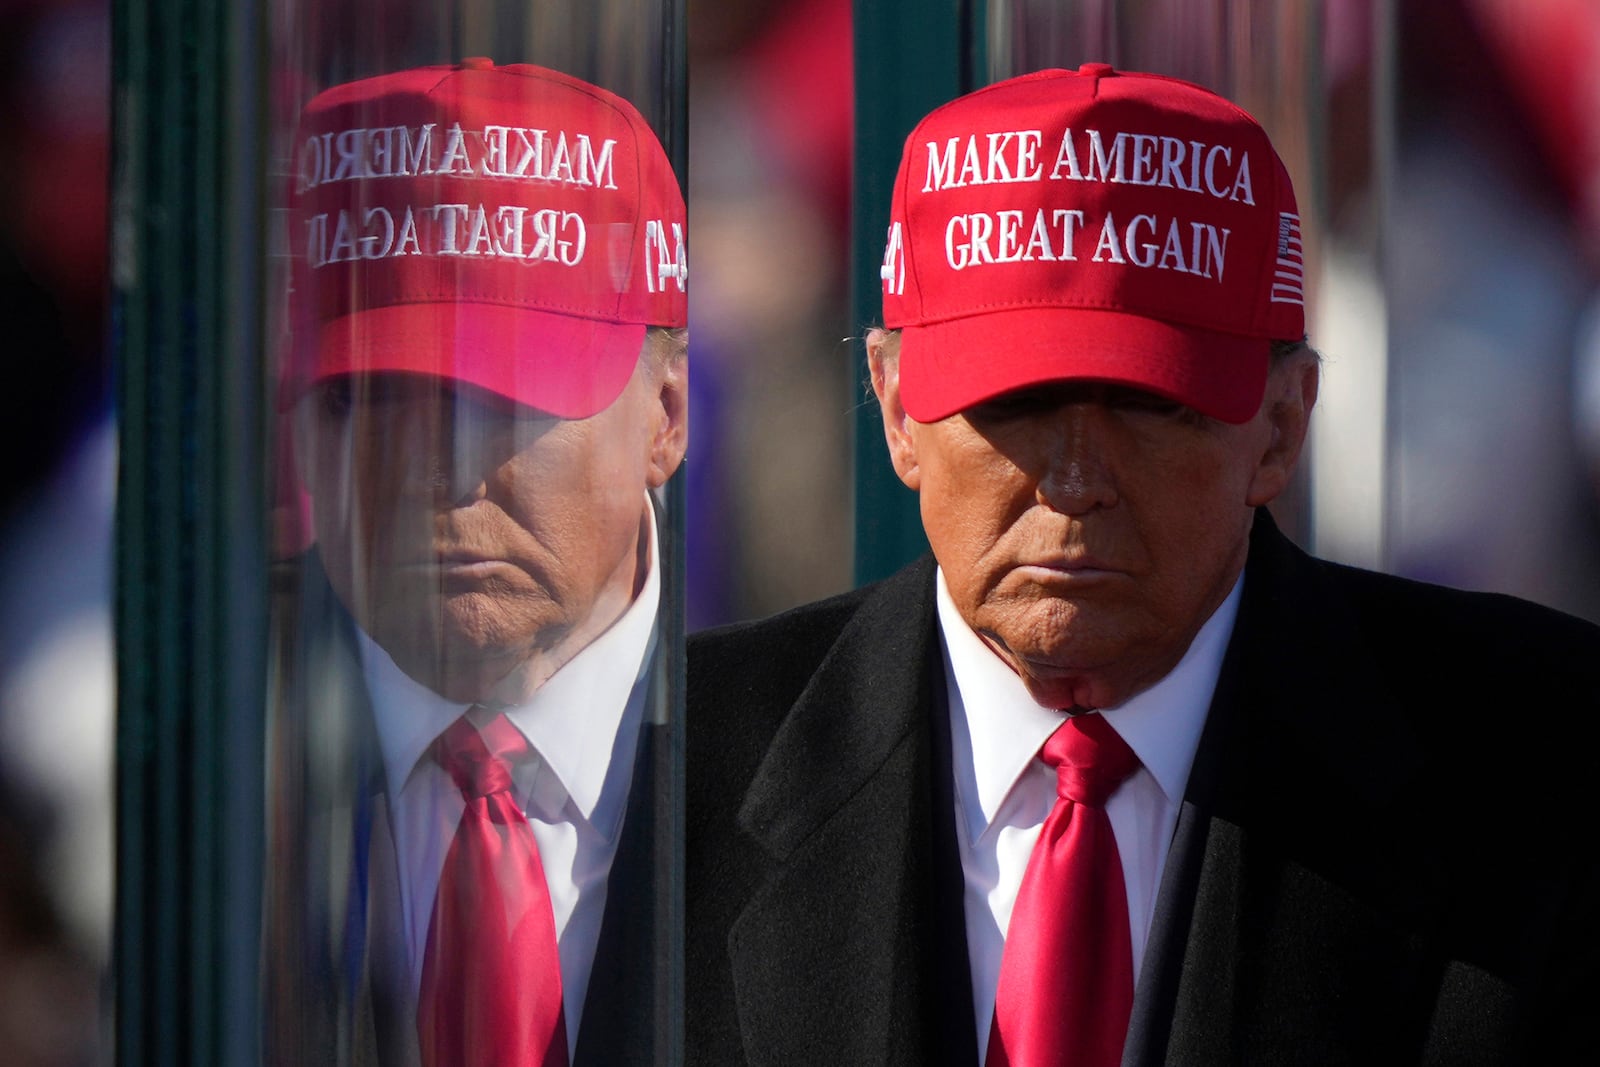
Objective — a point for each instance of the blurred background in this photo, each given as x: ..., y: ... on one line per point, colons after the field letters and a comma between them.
x: 56, y: 482
x: 771, y: 343
x: 1447, y: 156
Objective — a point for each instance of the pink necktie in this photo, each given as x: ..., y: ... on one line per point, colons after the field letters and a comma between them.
x: 1066, y: 976
x: 491, y: 975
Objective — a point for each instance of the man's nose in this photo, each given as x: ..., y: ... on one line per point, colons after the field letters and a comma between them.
x: 440, y: 451
x: 1077, y: 476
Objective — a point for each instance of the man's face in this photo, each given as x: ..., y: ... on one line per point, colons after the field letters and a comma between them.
x: 480, y: 543
x: 1086, y: 531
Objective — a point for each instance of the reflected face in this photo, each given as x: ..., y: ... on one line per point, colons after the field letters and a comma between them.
x: 480, y: 543
x: 1086, y: 531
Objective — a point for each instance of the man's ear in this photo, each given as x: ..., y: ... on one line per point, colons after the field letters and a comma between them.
x: 671, y: 437
x: 883, y: 359
x: 1286, y: 408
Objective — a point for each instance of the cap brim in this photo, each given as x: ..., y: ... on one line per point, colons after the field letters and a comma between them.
x: 951, y: 365
x: 567, y: 366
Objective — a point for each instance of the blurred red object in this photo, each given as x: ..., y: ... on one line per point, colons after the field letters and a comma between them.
x: 1550, y: 53
x: 58, y: 102
x: 801, y: 74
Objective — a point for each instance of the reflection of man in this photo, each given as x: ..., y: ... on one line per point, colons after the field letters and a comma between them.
x: 1119, y: 774
x: 488, y: 275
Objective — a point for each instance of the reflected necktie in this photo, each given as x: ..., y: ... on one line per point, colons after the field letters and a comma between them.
x: 1066, y: 974
x: 491, y: 975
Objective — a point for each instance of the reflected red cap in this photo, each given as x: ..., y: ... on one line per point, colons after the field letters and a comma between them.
x: 510, y: 227
x: 1091, y: 224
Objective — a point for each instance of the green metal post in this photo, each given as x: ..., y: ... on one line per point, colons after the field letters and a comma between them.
x: 910, y: 57
x: 186, y: 257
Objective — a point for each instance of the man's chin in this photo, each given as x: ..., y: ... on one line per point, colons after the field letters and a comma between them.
x: 1062, y: 664
x: 1068, y: 689
x: 479, y: 647
x: 1087, y: 675
x: 459, y: 663
x: 465, y: 674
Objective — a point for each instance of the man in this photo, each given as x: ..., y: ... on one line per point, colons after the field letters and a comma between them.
x: 1119, y: 774
x: 488, y: 379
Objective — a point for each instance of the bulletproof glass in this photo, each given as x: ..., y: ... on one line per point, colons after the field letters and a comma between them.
x: 481, y: 389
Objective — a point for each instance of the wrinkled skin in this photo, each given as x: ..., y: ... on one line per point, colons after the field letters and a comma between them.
x: 1086, y: 531
x: 480, y: 543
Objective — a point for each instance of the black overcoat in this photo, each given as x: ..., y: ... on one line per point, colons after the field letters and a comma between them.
x: 1384, y: 855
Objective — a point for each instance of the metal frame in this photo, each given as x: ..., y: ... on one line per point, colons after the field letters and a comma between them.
x: 190, y: 548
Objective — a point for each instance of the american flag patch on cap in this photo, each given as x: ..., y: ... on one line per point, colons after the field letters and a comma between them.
x: 1289, y: 277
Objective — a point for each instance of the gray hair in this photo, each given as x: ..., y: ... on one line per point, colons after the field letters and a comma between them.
x: 668, y: 343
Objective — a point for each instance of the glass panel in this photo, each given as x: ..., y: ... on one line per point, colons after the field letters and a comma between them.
x: 482, y: 389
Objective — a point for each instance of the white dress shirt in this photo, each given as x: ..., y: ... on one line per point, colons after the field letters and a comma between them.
x: 1003, y: 792
x: 583, y: 725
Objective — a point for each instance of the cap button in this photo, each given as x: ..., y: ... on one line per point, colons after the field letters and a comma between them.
x: 477, y: 63
x: 1096, y: 70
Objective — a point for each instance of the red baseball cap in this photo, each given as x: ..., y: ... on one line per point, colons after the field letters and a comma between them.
x: 509, y: 227
x: 1091, y: 224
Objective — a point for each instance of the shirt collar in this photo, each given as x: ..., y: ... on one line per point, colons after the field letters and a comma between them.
x: 575, y: 721
x: 998, y: 727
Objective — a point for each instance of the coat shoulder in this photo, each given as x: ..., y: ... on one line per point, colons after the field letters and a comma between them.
x: 768, y: 656
x: 1500, y: 647
x: 744, y: 680
x: 758, y: 669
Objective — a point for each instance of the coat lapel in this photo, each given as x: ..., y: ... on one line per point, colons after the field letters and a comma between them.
x: 1281, y: 932
x: 862, y: 891
x: 628, y: 1010
x: 385, y: 996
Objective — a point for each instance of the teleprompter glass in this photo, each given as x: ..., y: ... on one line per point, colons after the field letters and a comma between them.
x: 481, y: 386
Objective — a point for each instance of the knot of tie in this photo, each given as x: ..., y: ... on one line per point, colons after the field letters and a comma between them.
x: 1090, y: 758
x: 479, y: 759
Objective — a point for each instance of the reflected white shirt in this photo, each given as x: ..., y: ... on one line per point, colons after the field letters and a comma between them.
x: 583, y: 725
x: 1003, y: 792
